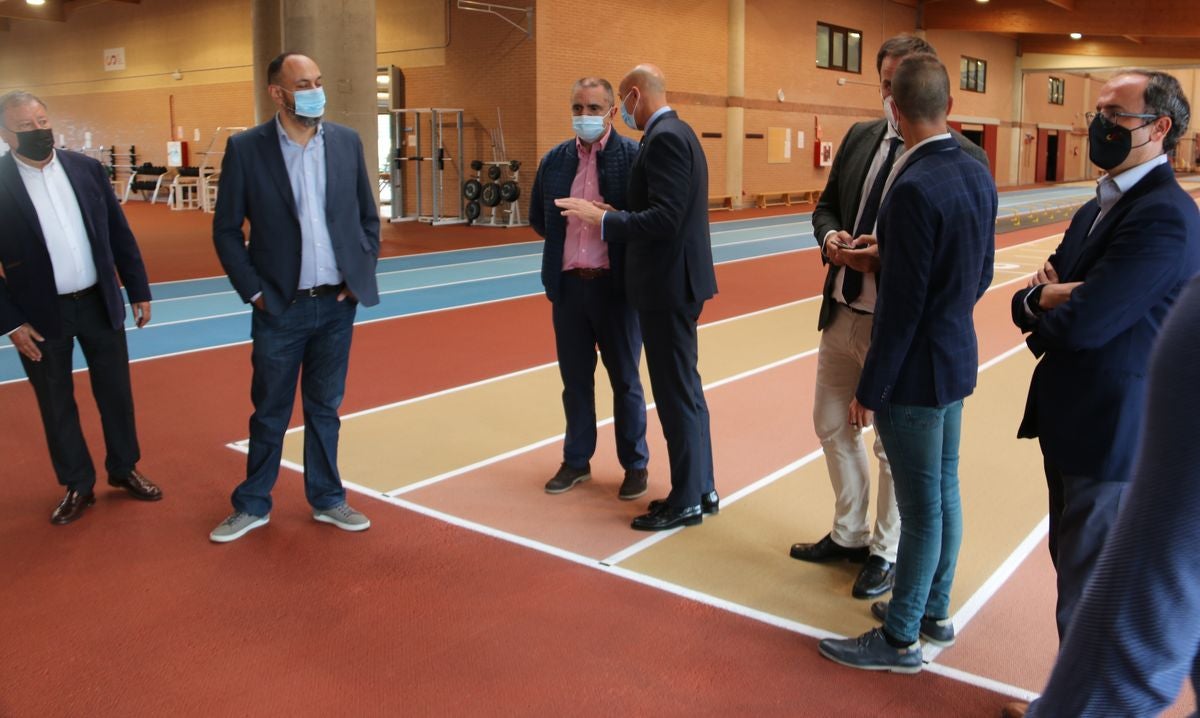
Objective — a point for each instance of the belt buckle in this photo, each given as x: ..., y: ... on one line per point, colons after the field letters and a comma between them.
x: 312, y: 292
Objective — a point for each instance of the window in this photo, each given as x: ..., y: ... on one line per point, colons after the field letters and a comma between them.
x: 839, y: 48
x: 1057, y: 90
x: 974, y: 74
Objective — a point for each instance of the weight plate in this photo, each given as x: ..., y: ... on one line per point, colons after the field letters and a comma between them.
x: 490, y: 195
x: 476, y: 165
x: 514, y: 165
x: 510, y: 191
x: 494, y: 172
x: 472, y: 188
x: 473, y: 211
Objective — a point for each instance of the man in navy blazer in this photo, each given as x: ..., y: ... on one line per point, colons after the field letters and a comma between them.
x: 585, y: 283
x: 1094, y: 310
x: 303, y: 185
x: 668, y: 277
x: 936, y: 245
x: 64, y: 234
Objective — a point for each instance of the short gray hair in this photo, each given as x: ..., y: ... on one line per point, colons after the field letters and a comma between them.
x: 921, y: 88
x: 17, y: 98
x: 595, y: 82
x: 1164, y: 97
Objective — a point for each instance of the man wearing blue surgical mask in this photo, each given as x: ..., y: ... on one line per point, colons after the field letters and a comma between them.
x: 584, y: 282
x: 302, y: 184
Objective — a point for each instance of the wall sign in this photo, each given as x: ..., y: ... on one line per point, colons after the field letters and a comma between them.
x: 114, y: 59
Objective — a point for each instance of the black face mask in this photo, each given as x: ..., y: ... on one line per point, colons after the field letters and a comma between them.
x: 35, y: 144
x: 1109, y: 143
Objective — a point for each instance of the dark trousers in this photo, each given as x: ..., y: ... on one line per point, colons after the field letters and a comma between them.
x: 671, y: 356
x: 588, y: 315
x: 309, y: 343
x: 1082, y: 511
x: 107, y: 358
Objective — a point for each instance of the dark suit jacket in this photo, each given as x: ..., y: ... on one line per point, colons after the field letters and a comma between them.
x: 936, y: 235
x: 1086, y: 395
x: 555, y: 174
x: 838, y: 206
x: 669, y: 253
x: 254, y: 186
x: 27, y: 290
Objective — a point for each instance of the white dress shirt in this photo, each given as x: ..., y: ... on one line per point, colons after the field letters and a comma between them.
x: 62, y: 224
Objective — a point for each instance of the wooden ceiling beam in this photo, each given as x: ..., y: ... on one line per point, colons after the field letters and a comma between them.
x: 52, y: 10
x: 1064, y: 4
x: 1110, y: 47
x: 1167, y: 18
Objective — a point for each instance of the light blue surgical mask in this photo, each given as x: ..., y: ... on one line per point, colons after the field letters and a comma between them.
x: 627, y: 115
x: 588, y: 128
x: 310, y: 103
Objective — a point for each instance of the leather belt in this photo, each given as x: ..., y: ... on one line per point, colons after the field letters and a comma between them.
x: 854, y: 309
x: 320, y: 290
x: 80, y: 294
x: 589, y: 272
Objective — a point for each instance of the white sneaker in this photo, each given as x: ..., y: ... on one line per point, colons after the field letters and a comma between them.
x: 236, y: 526
x: 344, y: 517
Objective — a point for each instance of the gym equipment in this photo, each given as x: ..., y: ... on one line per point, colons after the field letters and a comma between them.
x: 147, y: 180
x: 209, y: 174
x: 424, y: 138
x: 473, y: 211
x: 494, y: 172
x: 510, y: 191
x: 476, y: 165
x: 472, y: 188
x: 491, y: 195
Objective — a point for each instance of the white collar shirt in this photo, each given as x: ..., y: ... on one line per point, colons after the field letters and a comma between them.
x: 62, y: 224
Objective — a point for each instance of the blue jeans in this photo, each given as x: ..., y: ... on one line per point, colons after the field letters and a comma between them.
x: 312, y: 334
x: 922, y: 443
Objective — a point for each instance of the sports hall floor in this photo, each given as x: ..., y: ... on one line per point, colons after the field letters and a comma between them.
x: 475, y: 593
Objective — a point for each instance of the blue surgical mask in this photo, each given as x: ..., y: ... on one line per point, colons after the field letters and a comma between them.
x: 588, y: 128
x: 627, y: 115
x: 310, y: 103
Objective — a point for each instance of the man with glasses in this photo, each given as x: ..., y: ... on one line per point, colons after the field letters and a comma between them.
x: 584, y: 281
x: 64, y: 235
x: 1093, y: 311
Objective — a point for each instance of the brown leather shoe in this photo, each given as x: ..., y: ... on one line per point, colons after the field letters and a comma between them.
x: 634, y: 484
x: 71, y: 507
x: 1016, y: 709
x: 138, y: 486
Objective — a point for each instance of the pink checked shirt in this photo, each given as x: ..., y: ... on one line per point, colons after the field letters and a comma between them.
x: 583, y: 248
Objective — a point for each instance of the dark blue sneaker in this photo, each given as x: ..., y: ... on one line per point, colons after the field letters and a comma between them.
x: 937, y: 632
x: 872, y: 652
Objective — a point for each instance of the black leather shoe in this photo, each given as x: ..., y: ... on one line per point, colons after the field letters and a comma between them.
x: 668, y: 517
x: 875, y: 579
x: 710, y: 503
x: 71, y: 507
x: 827, y: 550
x: 138, y: 486
x: 634, y: 484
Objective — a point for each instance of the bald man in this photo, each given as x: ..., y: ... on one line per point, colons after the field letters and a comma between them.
x: 668, y: 276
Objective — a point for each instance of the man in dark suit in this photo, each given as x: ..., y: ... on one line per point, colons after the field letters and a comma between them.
x: 1094, y: 310
x: 64, y: 233
x: 314, y: 241
x: 936, y: 245
x: 584, y: 280
x: 668, y: 276
x: 846, y: 211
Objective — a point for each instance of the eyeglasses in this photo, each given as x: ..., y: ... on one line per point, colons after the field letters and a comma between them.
x: 1111, y: 117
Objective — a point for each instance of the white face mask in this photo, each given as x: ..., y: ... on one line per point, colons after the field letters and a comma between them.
x: 889, y: 112
x: 588, y: 128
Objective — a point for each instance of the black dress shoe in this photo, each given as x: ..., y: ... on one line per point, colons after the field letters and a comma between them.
x: 875, y: 579
x: 668, y: 517
x: 138, y: 486
x: 827, y: 550
x: 710, y: 503
x: 71, y: 507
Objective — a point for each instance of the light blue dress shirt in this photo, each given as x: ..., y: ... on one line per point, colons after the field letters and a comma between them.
x: 306, y: 172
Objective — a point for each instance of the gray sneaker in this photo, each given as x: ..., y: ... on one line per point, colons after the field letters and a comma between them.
x: 872, y: 652
x: 937, y: 632
x: 344, y: 517
x: 236, y: 526
x: 567, y: 477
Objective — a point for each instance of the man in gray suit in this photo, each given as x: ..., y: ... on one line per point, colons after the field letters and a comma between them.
x: 844, y: 224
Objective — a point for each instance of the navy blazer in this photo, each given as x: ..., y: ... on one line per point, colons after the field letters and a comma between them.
x: 28, y: 294
x: 669, y: 250
x: 1086, y: 395
x: 936, y: 234
x: 838, y: 207
x: 555, y: 175
x: 254, y: 186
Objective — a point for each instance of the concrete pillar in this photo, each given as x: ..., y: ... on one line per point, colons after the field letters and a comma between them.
x: 340, y: 37
x: 735, y: 111
x: 1017, y: 116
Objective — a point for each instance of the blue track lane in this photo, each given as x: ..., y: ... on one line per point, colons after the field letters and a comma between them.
x: 204, y: 313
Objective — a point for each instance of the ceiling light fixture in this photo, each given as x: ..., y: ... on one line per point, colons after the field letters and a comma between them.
x: 1076, y: 36
x: 35, y: 2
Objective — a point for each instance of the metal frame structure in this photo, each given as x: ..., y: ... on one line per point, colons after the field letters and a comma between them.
x: 434, y: 118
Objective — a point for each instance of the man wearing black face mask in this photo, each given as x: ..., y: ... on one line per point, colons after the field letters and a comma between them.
x: 1093, y: 312
x: 64, y: 234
